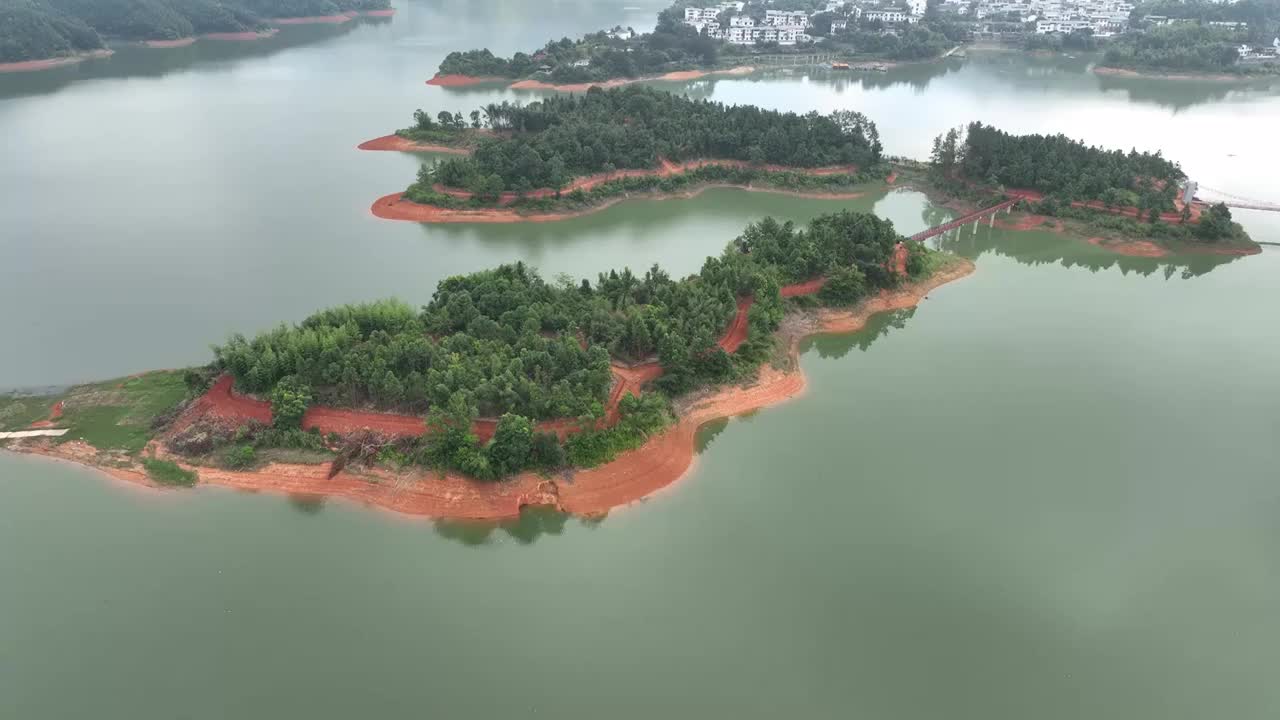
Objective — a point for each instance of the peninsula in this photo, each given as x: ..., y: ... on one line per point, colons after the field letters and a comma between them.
x: 505, y: 390
x: 562, y: 156
x: 39, y: 34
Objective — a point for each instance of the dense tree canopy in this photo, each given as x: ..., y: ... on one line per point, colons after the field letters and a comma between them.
x: 506, y: 341
x: 546, y: 143
x: 1176, y: 47
x: 35, y: 30
x: 1057, y: 165
x: 39, y: 29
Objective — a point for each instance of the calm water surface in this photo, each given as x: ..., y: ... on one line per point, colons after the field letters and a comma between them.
x: 1048, y: 492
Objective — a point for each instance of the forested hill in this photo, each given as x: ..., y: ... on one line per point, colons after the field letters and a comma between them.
x: 1057, y: 165
x: 39, y: 29
x: 505, y: 342
x: 548, y: 142
x: 33, y: 30
x: 1184, y: 47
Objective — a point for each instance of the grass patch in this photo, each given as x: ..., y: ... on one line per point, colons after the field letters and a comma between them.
x: 295, y: 456
x: 118, y: 414
x: 17, y: 412
x: 167, y: 472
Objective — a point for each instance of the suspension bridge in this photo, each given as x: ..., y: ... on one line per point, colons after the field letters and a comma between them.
x: 1235, y: 201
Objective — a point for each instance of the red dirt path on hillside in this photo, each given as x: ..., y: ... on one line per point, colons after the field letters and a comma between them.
x: 665, y: 168
x: 222, y: 402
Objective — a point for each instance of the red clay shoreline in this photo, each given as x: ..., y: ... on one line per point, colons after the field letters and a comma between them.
x: 396, y: 207
x: 50, y: 63
x: 634, y: 475
x: 396, y: 143
x: 455, y: 80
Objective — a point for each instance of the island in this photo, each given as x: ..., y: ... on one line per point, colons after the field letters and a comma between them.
x: 565, y: 155
x: 691, y: 41
x: 40, y: 34
x: 1136, y: 203
x: 506, y: 390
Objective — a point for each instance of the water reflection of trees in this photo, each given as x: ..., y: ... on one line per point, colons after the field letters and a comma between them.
x: 137, y: 61
x: 532, y: 524
x: 1074, y: 75
x: 1033, y: 247
x: 838, y: 345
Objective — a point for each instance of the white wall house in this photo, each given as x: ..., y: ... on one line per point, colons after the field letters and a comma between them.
x: 886, y: 16
x: 786, y: 18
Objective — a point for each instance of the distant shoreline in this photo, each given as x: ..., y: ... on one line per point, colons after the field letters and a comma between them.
x: 51, y: 63
x: 455, y: 80
x: 1157, y: 75
x: 245, y: 36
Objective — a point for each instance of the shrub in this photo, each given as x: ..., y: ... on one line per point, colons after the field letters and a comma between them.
x: 167, y: 472
x: 239, y: 457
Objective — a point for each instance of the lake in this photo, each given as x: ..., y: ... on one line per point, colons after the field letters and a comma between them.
x: 1050, y: 491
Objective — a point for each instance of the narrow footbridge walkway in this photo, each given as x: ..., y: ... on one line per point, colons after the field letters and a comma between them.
x: 972, y: 217
x: 1236, y: 201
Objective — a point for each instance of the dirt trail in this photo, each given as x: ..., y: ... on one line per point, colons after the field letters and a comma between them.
x: 665, y: 168
x: 1169, y: 217
x: 396, y: 207
x: 808, y: 287
x: 54, y: 414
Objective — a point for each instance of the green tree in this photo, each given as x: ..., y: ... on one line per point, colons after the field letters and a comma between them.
x: 512, y: 442
x: 289, y: 401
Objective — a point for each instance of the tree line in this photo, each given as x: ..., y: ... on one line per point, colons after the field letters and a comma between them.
x: 40, y: 29
x: 547, y: 143
x: 506, y: 343
x: 1176, y: 47
x: 1067, y: 170
x: 1059, y: 166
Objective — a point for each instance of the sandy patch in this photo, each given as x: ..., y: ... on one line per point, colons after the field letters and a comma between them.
x: 397, y: 143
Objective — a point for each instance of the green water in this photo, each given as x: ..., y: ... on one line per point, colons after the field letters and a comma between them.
x: 1049, y: 492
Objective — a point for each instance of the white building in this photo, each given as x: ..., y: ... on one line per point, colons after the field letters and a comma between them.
x: 786, y: 18
x: 745, y: 35
x: 742, y: 21
x: 918, y: 7
x: 886, y: 16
